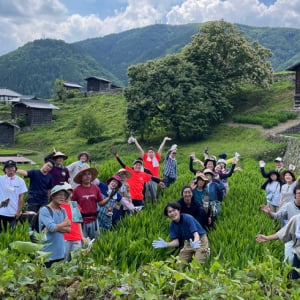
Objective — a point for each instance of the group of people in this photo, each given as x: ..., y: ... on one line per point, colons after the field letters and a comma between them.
x: 81, y: 206
x: 282, y: 192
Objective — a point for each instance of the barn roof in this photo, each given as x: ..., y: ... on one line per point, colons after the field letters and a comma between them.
x: 10, y: 124
x: 43, y: 104
x: 9, y: 93
x: 18, y: 159
x: 97, y: 78
x: 72, y: 85
x: 294, y: 67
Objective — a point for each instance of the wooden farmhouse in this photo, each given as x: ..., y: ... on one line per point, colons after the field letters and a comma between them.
x: 72, y: 86
x: 7, y: 95
x: 100, y: 85
x: 8, y: 132
x: 34, y: 112
x: 296, y: 68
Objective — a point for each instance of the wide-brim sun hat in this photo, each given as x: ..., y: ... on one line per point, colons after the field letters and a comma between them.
x: 209, y: 171
x: 68, y: 186
x: 59, y: 154
x: 58, y: 188
x: 290, y: 172
x: 200, y: 176
x: 78, y: 177
x: 221, y: 161
x: 83, y: 153
x: 116, y: 178
x: 212, y: 159
x: 125, y: 172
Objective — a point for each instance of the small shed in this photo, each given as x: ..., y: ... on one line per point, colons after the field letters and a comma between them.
x: 98, y: 84
x: 296, y: 68
x: 19, y: 159
x: 8, y: 132
x: 72, y: 86
x: 34, y: 111
x: 7, y: 95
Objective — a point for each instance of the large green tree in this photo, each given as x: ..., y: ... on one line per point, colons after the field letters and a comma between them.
x: 187, y: 93
x: 164, y: 94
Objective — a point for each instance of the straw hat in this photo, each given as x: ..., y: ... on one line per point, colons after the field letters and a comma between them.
x: 78, y: 177
x: 125, y: 172
x: 59, y: 154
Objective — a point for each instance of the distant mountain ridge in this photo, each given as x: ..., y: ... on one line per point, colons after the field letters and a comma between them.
x: 33, y: 68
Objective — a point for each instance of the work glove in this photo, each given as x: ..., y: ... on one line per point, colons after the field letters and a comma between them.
x: 262, y: 164
x: 195, y: 244
x: 112, y: 193
x: 159, y: 243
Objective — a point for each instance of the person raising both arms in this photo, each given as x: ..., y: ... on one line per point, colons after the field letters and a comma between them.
x: 151, y: 161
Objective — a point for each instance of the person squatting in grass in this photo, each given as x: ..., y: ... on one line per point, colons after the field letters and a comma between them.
x: 186, y: 233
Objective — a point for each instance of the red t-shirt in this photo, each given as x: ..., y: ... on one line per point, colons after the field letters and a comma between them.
x: 148, y: 164
x: 87, y: 198
x: 136, y: 183
x: 74, y: 234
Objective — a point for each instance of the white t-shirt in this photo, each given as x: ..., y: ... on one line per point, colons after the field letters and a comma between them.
x: 11, y: 188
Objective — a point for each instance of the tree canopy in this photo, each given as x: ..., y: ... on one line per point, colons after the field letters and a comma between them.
x: 186, y: 93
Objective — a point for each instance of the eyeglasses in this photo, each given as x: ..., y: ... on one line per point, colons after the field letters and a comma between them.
x: 174, y: 153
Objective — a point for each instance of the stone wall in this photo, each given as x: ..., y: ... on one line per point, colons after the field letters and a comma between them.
x: 291, y: 153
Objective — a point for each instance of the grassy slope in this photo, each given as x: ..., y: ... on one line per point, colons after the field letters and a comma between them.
x: 238, y: 224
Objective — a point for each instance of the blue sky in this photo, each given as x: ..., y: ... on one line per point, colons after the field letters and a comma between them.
x: 22, y: 21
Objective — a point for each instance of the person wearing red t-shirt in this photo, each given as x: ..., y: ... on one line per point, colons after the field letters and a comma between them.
x: 151, y: 161
x: 137, y: 180
x: 74, y: 238
x: 88, y: 195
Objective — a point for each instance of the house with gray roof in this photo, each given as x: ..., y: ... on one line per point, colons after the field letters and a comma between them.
x: 7, y: 95
x: 32, y: 111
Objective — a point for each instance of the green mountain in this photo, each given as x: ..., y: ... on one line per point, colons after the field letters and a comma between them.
x: 33, y: 68
x: 117, y: 52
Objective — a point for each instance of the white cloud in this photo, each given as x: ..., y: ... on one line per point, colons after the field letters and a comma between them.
x: 26, y: 20
x: 250, y: 12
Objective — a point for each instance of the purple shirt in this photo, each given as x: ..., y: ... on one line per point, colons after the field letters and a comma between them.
x: 60, y: 175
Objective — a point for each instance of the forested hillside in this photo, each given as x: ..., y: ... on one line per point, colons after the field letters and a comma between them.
x: 33, y: 68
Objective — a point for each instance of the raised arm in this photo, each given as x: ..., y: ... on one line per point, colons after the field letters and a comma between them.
x: 142, y: 152
x: 116, y: 155
x: 22, y: 172
x: 160, y: 149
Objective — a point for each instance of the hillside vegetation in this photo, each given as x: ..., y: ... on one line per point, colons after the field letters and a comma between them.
x: 33, y: 68
x: 123, y: 263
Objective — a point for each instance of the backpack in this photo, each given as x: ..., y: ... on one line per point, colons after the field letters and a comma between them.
x: 35, y: 225
x: 35, y: 220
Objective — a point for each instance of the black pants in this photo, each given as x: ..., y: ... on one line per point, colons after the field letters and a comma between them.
x: 296, y: 263
x: 5, y: 220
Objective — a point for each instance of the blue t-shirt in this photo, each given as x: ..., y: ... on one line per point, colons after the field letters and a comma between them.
x: 54, y: 239
x: 38, y: 187
x: 185, y: 228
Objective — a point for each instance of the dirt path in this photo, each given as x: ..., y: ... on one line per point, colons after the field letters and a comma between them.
x: 274, y: 130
